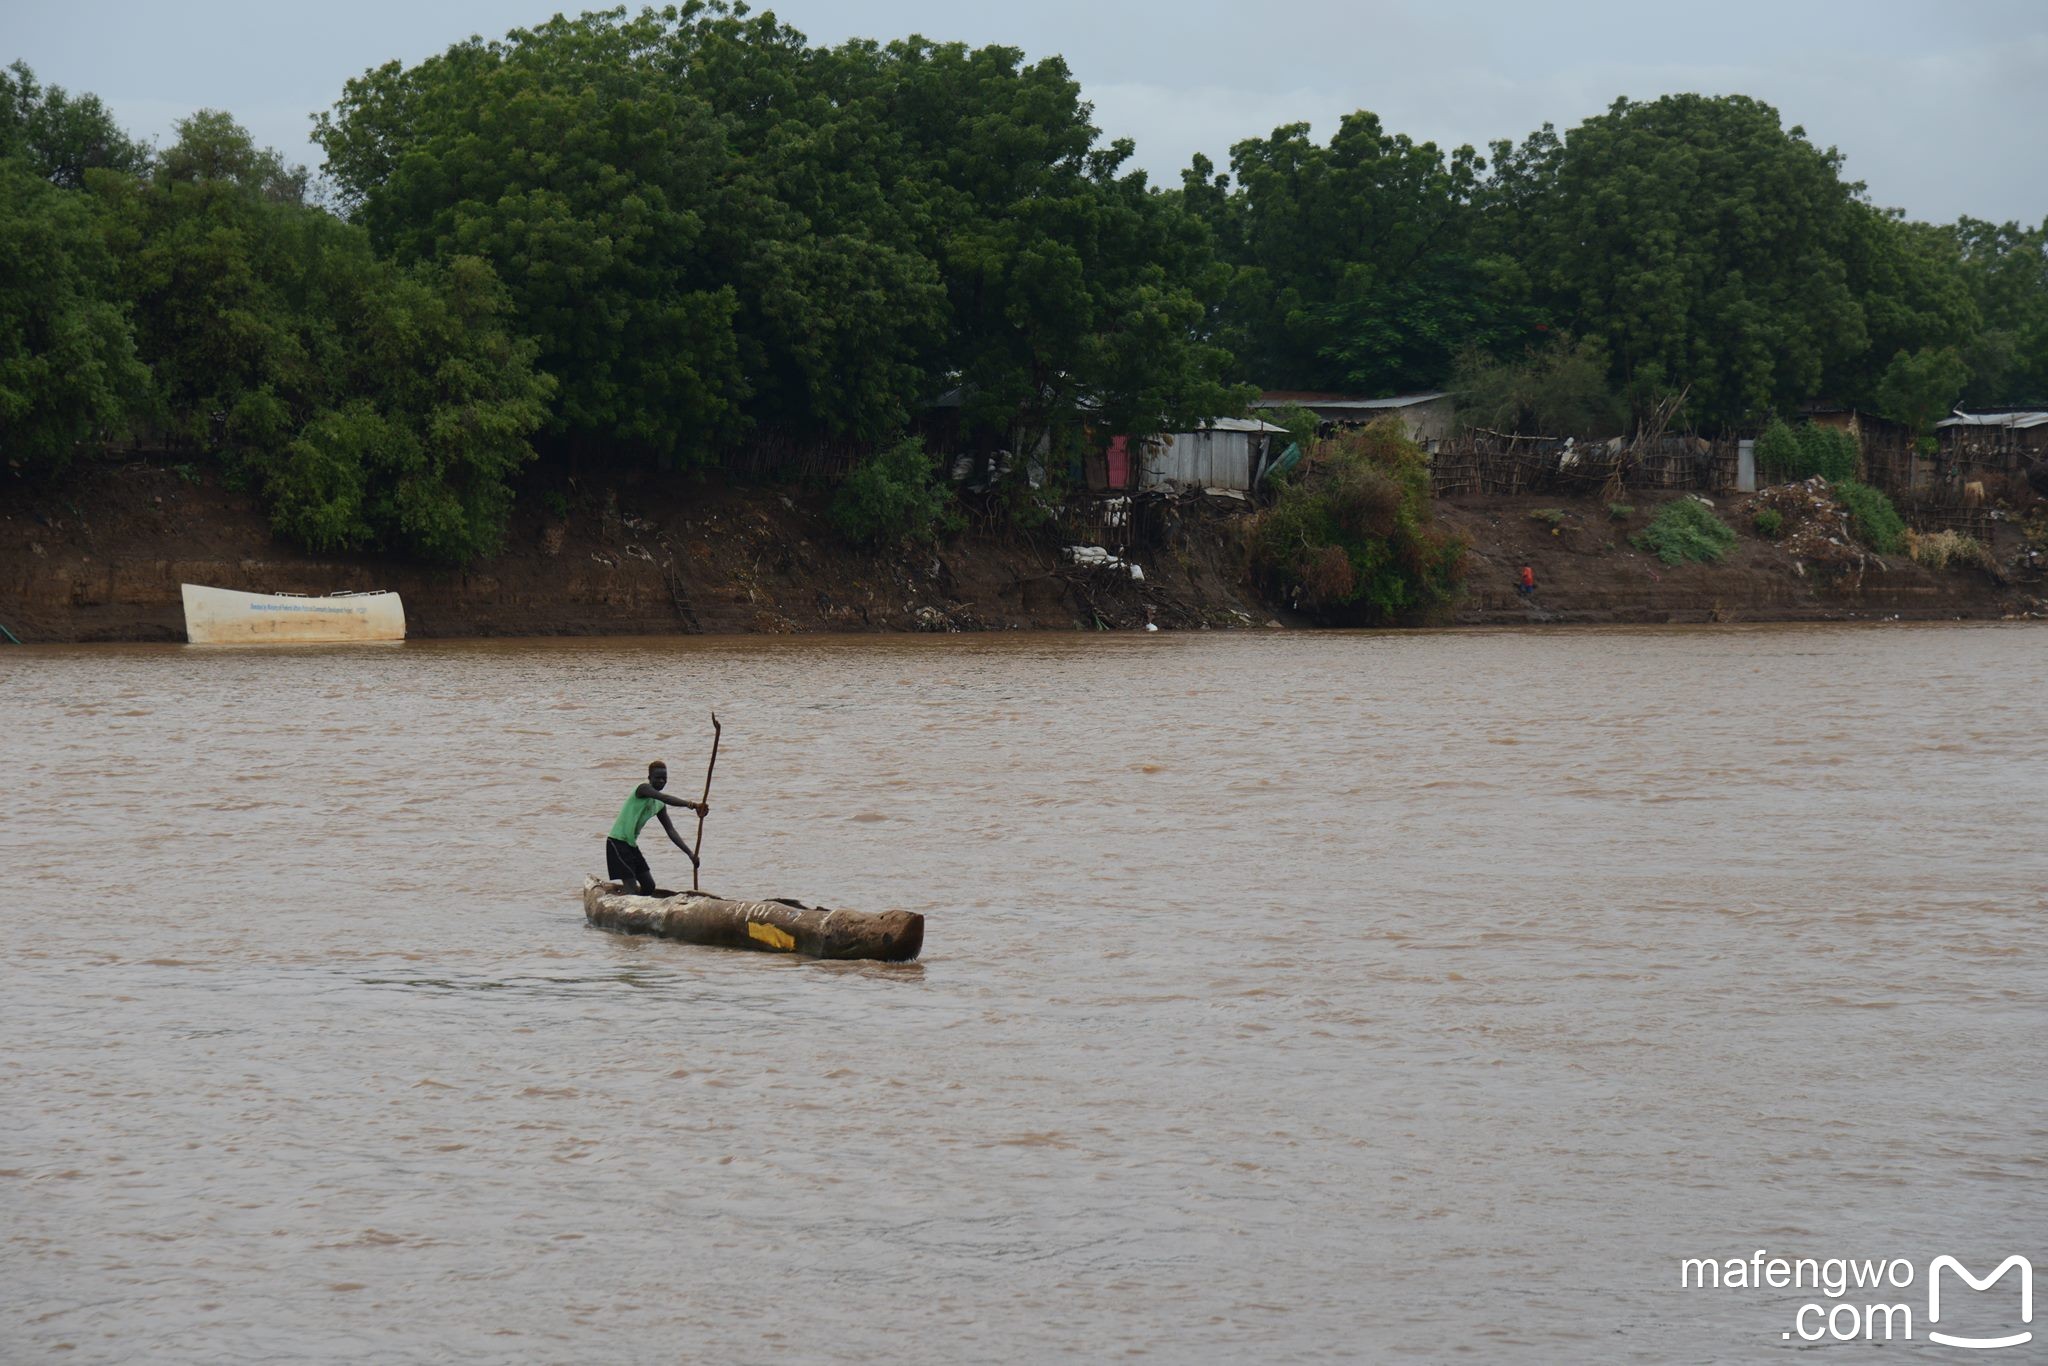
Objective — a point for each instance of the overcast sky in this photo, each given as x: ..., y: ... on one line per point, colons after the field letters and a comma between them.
x: 1941, y: 108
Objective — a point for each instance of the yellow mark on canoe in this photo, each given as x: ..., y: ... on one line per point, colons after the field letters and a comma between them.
x: 769, y: 935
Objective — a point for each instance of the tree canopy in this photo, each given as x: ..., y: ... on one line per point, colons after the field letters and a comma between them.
x: 655, y: 236
x: 68, y: 371
x: 1694, y: 243
x: 1358, y: 265
x: 194, y: 300
x: 710, y: 226
x: 60, y: 136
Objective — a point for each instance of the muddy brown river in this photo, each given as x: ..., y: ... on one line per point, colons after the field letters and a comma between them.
x: 1286, y: 997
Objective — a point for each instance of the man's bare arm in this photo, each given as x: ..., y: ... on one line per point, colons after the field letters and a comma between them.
x: 650, y: 790
x: 669, y: 826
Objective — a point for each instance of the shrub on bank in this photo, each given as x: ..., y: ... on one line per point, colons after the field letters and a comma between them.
x: 1949, y: 550
x: 1353, y: 537
x: 1686, y: 532
x: 1770, y: 523
x: 1785, y: 453
x: 1872, y: 518
x: 894, y: 496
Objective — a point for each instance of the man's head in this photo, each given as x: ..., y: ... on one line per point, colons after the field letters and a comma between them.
x: 657, y: 775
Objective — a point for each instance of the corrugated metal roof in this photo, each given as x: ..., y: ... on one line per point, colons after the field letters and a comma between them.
x: 2017, y: 421
x: 1276, y: 398
x: 1239, y: 424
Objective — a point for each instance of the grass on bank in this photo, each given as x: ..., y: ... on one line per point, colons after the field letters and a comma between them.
x: 1686, y: 532
x: 1872, y: 518
x: 1949, y: 550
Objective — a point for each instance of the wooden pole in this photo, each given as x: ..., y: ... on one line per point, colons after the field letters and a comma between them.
x: 708, y: 768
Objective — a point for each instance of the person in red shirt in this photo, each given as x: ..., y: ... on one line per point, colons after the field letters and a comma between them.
x: 1527, y: 587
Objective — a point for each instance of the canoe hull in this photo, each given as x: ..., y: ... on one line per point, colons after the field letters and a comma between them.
x: 763, y: 926
x: 224, y: 616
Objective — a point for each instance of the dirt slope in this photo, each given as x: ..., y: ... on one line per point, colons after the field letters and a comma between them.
x: 1587, y: 571
x: 101, y: 558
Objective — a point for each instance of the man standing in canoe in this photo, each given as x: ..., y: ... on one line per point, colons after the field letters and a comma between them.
x: 622, y: 857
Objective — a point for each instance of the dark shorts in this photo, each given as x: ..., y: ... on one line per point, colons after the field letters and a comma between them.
x: 627, y: 866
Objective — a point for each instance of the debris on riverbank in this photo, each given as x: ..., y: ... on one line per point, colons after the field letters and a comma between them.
x: 1809, y: 569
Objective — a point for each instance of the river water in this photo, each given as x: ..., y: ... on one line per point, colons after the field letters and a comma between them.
x: 1285, y: 996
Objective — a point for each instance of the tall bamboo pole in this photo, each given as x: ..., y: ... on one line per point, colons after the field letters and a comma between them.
x: 708, y: 769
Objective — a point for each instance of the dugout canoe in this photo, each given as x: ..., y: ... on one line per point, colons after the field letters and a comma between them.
x: 766, y: 926
x: 225, y: 616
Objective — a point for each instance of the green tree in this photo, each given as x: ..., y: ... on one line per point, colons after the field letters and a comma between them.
x: 61, y: 136
x: 1353, y: 537
x: 728, y: 227
x: 894, y: 496
x: 1911, y: 282
x: 1785, y: 452
x: 374, y: 405
x: 68, y: 371
x: 216, y: 277
x: 570, y: 158
x: 433, y: 402
x: 212, y: 147
x: 1698, y: 240
x: 1559, y: 389
x: 1921, y: 386
x: 1355, y: 266
x: 2005, y: 268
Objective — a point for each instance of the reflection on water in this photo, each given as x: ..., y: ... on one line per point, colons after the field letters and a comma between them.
x: 1284, y: 997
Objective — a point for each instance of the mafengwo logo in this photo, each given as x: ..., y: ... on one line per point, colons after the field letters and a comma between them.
x: 2012, y: 1263
x: 1854, y: 1318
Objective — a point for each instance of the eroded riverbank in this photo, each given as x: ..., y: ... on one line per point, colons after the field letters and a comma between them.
x: 101, y: 558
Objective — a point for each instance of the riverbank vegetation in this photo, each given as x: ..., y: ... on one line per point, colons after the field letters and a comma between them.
x: 1872, y: 518
x: 619, y: 243
x: 1352, y: 538
x: 1686, y: 532
x: 1785, y: 453
x: 894, y: 497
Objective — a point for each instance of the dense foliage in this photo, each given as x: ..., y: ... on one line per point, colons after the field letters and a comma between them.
x: 1357, y: 266
x: 1872, y: 518
x: 730, y: 228
x: 1686, y: 532
x: 200, y: 304
x: 1560, y: 388
x: 68, y: 371
x: 894, y: 497
x: 2005, y: 268
x: 1352, y: 538
x: 1785, y: 453
x: 59, y: 137
x: 1689, y: 244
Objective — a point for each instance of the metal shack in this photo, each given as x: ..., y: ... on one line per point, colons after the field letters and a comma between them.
x: 1993, y: 432
x: 1225, y: 454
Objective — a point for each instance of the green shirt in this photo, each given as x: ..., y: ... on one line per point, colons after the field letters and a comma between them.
x: 633, y: 815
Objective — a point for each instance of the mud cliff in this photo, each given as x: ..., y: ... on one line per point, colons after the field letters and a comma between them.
x: 100, y: 557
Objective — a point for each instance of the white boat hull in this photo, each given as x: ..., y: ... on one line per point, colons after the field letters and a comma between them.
x: 222, y: 616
